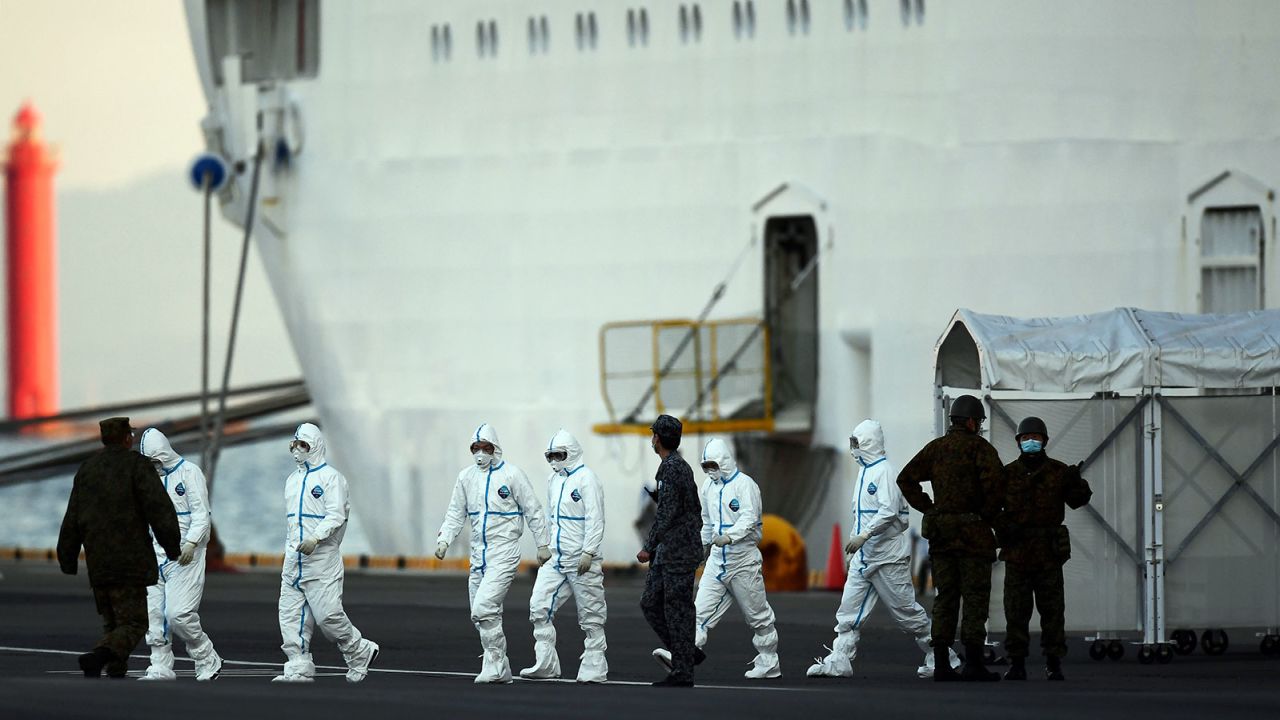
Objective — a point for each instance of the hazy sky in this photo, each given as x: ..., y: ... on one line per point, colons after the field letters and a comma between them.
x: 116, y: 82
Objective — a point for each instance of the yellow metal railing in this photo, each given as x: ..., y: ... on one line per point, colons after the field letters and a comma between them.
x: 687, y: 369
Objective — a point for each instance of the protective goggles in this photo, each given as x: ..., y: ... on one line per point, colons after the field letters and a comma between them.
x: 556, y: 455
x: 302, y: 445
x: 853, y: 443
x: 485, y: 446
x: 710, y: 467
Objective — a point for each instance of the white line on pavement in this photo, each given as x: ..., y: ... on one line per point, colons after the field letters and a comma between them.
x: 395, y: 671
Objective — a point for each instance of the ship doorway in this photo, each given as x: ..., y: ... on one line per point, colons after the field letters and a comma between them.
x: 791, y: 314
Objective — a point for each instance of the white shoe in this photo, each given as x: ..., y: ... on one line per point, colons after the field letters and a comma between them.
x: 537, y: 673
x: 833, y: 665
x: 292, y: 678
x: 154, y: 674
x: 209, y: 669
x: 763, y: 673
x: 495, y: 671
x: 663, y: 656
x: 359, y: 670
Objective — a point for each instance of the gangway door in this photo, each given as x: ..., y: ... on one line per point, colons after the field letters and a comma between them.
x: 713, y: 375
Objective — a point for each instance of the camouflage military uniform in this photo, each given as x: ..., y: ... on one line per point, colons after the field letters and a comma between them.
x: 675, y: 543
x: 1034, y: 545
x: 114, y: 500
x: 967, y: 483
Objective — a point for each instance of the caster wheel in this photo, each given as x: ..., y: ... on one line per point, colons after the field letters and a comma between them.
x: 1146, y: 654
x: 1164, y: 653
x: 1184, y: 641
x: 1270, y: 645
x: 1214, y: 642
x: 1098, y: 650
x: 1115, y: 650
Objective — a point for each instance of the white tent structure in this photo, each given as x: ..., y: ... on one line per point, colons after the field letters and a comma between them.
x: 1176, y: 420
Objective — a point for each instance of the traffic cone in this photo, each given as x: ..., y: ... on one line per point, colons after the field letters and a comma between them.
x: 837, y: 572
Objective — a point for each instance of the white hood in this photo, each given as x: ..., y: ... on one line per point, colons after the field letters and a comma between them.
x: 718, y: 452
x: 156, y: 446
x: 564, y: 440
x: 870, y: 441
x: 311, y: 435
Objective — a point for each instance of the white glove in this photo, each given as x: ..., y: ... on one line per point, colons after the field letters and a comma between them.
x: 584, y: 563
x: 856, y: 542
x: 188, y: 553
x: 544, y: 554
x: 441, y: 548
x: 722, y: 540
x: 308, y: 546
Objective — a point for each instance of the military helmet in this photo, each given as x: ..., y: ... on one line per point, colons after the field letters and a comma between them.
x: 968, y: 406
x: 1031, y: 425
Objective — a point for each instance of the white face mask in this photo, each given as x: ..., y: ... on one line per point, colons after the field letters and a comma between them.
x: 483, y: 459
x: 558, y: 466
x: 299, y: 455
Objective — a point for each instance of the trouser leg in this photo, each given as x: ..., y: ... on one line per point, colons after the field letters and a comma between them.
x: 297, y: 623
x: 324, y: 596
x: 710, y: 604
x: 946, y: 603
x: 588, y: 596
x: 486, y: 613
x: 549, y: 592
x: 653, y: 603
x: 748, y: 589
x: 975, y: 581
x: 677, y: 595
x: 124, y: 622
x: 1017, y: 609
x: 1051, y: 602
x: 157, y: 636
x: 183, y: 591
x: 857, y: 602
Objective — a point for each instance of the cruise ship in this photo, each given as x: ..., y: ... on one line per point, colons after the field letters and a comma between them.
x: 757, y: 215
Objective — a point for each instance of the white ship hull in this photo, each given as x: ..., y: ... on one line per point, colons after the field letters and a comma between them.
x: 452, y: 235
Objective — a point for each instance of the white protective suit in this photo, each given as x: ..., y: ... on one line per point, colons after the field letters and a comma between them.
x: 880, y: 569
x: 316, y: 509
x: 499, y: 501
x: 731, y: 507
x: 575, y: 509
x: 173, y: 603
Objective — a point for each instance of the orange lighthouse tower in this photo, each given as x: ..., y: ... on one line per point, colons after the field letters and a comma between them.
x: 31, y: 270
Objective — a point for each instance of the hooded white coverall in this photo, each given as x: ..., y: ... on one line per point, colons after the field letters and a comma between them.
x: 173, y: 603
x: 731, y: 507
x: 316, y: 509
x: 575, y: 509
x: 498, y: 499
x: 880, y: 569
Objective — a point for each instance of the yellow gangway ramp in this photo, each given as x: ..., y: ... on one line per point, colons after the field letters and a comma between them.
x: 713, y: 375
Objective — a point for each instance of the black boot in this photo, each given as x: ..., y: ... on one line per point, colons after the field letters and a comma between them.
x: 975, y: 670
x: 1017, y: 669
x: 91, y: 663
x: 1053, y: 668
x: 942, y: 670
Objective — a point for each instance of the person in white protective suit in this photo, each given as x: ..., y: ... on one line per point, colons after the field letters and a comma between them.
x: 575, y: 511
x: 879, y: 560
x: 499, y: 501
x: 731, y: 532
x: 173, y: 603
x: 316, y: 510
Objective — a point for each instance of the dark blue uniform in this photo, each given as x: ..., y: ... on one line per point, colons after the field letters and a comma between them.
x: 675, y: 544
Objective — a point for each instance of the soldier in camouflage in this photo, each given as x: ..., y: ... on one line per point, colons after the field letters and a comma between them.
x: 1034, y: 546
x: 114, y: 500
x: 967, y: 481
x: 673, y: 551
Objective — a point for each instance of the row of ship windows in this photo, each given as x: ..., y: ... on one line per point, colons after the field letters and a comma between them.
x: 587, y: 28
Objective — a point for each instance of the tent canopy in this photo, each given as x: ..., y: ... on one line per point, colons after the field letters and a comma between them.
x: 1121, y: 349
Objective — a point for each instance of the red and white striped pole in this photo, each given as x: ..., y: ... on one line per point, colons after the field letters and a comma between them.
x: 31, y: 265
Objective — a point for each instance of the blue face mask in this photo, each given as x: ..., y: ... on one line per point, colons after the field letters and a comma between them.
x: 1031, y: 446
